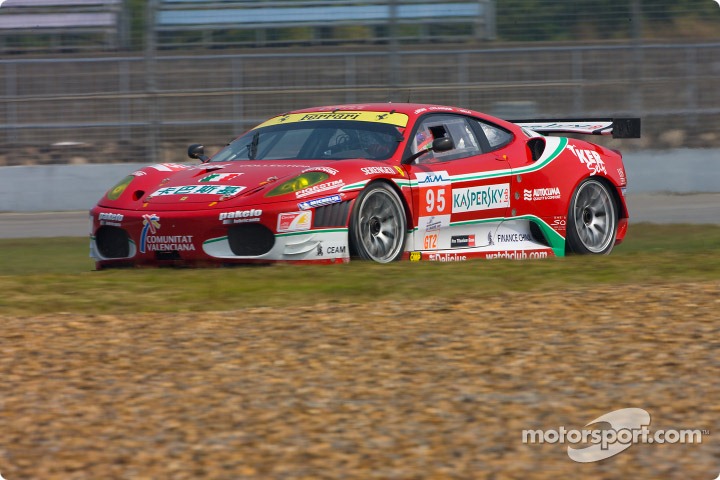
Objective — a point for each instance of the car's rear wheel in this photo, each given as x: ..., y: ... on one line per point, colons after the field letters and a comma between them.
x: 592, y: 219
x: 378, y: 226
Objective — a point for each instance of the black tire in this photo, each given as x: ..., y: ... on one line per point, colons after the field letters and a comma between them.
x: 592, y: 219
x: 378, y: 225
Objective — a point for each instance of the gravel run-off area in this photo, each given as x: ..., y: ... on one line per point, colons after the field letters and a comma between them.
x: 391, y: 390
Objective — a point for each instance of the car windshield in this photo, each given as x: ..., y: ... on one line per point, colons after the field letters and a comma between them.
x: 326, y: 140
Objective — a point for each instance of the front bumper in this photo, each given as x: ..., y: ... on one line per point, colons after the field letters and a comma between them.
x: 252, y: 234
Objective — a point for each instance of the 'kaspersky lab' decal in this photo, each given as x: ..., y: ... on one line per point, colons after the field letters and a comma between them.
x: 485, y: 197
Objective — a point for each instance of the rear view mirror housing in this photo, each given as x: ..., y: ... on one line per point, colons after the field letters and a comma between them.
x: 442, y: 144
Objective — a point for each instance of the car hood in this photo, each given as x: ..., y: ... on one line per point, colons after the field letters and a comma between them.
x: 212, y: 182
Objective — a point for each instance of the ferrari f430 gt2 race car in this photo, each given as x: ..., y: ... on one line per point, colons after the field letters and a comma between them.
x: 379, y: 182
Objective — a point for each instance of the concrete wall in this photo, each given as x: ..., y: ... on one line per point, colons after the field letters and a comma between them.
x: 79, y: 187
x: 58, y: 187
x: 676, y: 171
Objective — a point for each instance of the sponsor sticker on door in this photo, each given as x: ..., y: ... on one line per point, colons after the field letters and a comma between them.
x: 484, y: 197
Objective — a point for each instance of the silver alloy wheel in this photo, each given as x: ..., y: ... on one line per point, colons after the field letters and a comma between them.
x: 379, y: 225
x: 594, y: 216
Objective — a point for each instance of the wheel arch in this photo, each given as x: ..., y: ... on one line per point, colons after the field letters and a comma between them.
x: 620, y: 208
x: 397, y: 189
x: 611, y: 186
x: 619, y: 203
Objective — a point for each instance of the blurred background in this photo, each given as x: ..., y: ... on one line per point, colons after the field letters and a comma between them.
x: 105, y: 81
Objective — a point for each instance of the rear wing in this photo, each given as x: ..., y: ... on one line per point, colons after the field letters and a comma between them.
x: 617, y: 127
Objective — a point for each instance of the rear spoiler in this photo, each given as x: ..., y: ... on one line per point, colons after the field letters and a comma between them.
x: 617, y: 127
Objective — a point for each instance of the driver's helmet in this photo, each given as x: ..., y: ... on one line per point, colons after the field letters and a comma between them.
x: 422, y: 139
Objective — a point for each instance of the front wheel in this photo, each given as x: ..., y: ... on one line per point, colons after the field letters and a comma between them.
x: 592, y: 219
x: 378, y: 225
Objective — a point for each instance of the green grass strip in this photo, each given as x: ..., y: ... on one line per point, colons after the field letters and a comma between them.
x: 55, y: 275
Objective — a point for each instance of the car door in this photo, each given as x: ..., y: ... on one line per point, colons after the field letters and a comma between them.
x: 459, y: 196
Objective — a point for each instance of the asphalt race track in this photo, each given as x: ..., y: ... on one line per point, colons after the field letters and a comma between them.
x: 700, y: 208
x: 44, y: 224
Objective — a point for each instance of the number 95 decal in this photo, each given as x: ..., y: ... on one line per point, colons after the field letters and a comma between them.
x: 435, y: 203
x: 434, y: 188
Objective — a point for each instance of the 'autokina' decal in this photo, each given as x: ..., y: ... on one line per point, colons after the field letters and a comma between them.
x: 554, y: 146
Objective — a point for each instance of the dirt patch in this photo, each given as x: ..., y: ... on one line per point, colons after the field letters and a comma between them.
x: 430, y: 389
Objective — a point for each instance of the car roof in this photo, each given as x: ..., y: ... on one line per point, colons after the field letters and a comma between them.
x: 412, y: 110
x: 406, y: 108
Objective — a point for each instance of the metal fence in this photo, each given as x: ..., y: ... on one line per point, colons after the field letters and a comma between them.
x: 192, y: 23
x: 148, y: 108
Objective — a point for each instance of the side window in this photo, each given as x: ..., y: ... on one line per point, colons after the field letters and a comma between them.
x: 497, y: 137
x: 437, y: 126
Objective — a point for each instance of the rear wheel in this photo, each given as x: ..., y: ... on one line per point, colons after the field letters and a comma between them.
x: 378, y: 225
x: 592, y: 219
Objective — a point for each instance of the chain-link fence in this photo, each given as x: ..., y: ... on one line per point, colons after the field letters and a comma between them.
x: 138, y: 109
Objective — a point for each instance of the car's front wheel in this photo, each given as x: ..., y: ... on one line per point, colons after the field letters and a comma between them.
x: 592, y: 219
x: 378, y: 225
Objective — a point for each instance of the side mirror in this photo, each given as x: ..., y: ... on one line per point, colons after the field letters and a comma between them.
x: 442, y: 144
x: 197, y: 152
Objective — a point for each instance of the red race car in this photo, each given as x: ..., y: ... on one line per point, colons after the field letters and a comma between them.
x: 374, y: 181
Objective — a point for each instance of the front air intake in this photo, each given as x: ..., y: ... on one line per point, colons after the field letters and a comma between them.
x: 250, y: 239
x: 335, y: 215
x: 112, y: 242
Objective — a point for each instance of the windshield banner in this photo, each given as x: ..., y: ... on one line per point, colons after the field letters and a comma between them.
x: 397, y: 119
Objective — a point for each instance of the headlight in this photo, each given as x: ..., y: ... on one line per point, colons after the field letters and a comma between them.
x: 115, y: 192
x: 300, y: 182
